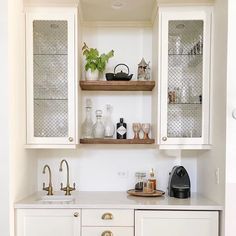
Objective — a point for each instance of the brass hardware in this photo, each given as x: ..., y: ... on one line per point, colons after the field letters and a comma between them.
x: 67, y: 189
x: 107, y: 216
x: 49, y: 189
x: 107, y: 233
x: 76, y: 214
x: 71, y: 139
x: 164, y: 139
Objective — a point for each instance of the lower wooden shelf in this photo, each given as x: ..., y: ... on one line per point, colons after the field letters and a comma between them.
x: 117, y: 141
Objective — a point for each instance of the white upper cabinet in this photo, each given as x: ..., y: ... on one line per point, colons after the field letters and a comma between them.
x: 51, y: 77
x: 184, y: 77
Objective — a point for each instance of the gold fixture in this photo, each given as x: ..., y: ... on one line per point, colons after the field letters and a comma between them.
x: 107, y: 233
x: 76, y: 214
x: 107, y: 216
x: 67, y: 189
x: 49, y: 188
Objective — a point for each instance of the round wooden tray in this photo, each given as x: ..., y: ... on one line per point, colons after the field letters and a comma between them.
x: 156, y: 193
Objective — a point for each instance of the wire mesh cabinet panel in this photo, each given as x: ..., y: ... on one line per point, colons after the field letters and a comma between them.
x: 51, y: 76
x: 184, y: 76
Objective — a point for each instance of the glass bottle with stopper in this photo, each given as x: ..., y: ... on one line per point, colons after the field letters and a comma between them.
x: 87, y: 126
x: 98, y: 128
x: 109, y: 126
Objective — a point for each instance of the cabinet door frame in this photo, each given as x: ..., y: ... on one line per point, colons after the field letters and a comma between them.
x: 21, y: 215
x: 69, y: 15
x: 211, y: 216
x: 184, y: 13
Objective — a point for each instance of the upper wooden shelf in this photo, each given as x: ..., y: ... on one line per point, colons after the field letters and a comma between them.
x: 103, y: 85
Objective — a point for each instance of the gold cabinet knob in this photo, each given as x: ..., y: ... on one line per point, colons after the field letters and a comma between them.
x: 107, y: 233
x: 76, y: 214
x: 71, y: 139
x: 107, y: 216
x: 164, y: 139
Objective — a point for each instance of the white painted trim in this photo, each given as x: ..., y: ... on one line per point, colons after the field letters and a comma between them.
x: 124, y: 24
x: 49, y: 146
x: 185, y: 147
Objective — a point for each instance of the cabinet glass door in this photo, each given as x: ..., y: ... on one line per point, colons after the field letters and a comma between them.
x: 185, y: 78
x: 50, y: 78
x: 51, y: 82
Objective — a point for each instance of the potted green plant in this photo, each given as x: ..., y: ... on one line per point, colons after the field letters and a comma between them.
x: 95, y: 63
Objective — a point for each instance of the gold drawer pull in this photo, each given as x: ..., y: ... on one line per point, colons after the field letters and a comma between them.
x: 107, y: 233
x: 107, y: 216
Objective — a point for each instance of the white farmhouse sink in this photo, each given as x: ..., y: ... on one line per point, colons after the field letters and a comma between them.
x: 57, y: 198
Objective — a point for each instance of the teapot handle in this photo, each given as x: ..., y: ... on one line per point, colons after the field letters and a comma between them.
x: 121, y: 64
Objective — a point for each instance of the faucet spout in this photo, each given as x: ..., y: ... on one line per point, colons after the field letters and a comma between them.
x: 49, y: 188
x: 67, y: 189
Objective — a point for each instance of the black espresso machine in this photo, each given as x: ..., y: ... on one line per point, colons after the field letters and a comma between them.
x: 179, y: 183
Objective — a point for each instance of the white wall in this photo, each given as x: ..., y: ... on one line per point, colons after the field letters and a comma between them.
x: 100, y: 167
x: 209, y: 161
x: 4, y: 124
x: 230, y: 206
x: 23, y: 163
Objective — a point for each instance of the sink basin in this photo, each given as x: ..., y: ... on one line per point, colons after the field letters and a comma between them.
x: 57, y: 198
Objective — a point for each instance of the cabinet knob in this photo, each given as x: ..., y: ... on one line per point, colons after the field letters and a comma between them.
x: 71, y: 139
x: 107, y: 233
x: 76, y: 214
x: 107, y: 216
x: 164, y: 139
x: 234, y: 114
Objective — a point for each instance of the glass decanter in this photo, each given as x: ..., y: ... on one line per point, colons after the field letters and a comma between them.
x: 108, y: 124
x: 87, y: 126
x: 98, y: 128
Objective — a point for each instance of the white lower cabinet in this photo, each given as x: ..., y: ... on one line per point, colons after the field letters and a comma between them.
x: 48, y: 222
x: 107, y: 222
x: 178, y: 223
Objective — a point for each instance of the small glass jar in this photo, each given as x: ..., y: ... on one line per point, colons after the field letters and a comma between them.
x: 98, y: 128
x: 139, y: 181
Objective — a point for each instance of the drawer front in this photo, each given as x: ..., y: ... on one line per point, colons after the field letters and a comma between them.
x: 107, y: 217
x: 107, y: 231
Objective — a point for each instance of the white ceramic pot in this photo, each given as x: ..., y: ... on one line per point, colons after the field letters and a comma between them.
x: 91, y: 75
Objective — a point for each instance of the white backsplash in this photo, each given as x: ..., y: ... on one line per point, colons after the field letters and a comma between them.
x: 111, y: 168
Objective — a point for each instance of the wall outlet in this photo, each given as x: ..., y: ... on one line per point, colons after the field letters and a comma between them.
x: 217, y: 175
x: 123, y: 174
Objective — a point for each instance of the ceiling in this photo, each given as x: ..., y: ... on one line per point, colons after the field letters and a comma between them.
x: 115, y: 10
x: 125, y: 10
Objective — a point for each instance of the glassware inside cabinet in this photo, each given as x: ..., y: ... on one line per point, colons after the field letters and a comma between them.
x: 185, y: 83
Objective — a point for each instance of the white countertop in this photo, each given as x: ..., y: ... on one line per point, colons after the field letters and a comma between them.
x: 120, y: 200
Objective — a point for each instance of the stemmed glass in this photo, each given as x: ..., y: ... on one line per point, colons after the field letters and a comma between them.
x: 146, y: 128
x: 136, y: 129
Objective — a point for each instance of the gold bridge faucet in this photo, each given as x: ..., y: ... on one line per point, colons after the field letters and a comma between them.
x: 49, y: 189
x: 67, y: 189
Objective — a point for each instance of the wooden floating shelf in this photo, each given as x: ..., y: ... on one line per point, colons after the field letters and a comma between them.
x: 117, y: 141
x: 103, y: 85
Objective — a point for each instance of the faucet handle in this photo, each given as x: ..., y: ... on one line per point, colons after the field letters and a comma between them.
x: 44, y: 186
x: 62, y: 186
x: 73, y: 186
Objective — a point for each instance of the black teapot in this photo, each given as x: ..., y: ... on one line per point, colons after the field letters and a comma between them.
x: 119, y: 75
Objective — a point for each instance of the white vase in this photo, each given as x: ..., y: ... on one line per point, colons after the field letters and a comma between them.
x: 92, y: 75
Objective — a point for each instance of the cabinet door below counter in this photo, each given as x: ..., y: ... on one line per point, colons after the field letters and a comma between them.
x: 169, y: 223
x: 48, y: 222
